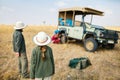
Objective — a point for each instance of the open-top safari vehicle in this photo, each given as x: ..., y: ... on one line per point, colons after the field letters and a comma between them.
x: 72, y: 25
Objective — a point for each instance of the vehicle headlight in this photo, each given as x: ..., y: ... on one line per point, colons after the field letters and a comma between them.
x: 100, y: 34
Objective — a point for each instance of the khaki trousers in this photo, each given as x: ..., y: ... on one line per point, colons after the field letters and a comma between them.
x: 46, y: 78
x: 23, y: 65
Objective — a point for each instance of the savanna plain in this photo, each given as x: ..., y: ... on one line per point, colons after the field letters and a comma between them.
x: 105, y: 63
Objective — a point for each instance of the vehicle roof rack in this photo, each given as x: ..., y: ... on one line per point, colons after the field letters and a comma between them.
x: 83, y: 10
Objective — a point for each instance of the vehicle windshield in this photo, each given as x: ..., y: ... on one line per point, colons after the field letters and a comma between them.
x: 96, y: 26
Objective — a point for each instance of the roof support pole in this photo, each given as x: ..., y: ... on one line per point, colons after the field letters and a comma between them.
x: 65, y: 17
x: 73, y: 18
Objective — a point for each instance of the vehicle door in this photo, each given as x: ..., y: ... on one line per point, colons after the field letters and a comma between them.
x: 75, y: 32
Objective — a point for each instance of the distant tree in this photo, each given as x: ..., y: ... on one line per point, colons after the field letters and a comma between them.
x: 44, y: 22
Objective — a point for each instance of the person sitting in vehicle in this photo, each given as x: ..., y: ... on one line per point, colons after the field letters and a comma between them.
x: 61, y: 22
x: 56, y: 37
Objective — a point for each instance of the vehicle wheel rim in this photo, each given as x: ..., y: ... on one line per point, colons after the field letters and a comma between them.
x: 89, y: 45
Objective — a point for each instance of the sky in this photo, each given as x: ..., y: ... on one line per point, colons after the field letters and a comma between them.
x: 37, y: 12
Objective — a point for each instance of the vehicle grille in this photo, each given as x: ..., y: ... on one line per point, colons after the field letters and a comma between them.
x: 110, y: 35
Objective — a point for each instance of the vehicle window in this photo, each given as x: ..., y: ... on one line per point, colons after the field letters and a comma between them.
x: 78, y: 20
x: 87, y: 18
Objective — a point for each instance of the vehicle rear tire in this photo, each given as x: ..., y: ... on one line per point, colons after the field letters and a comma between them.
x: 63, y: 38
x: 90, y: 44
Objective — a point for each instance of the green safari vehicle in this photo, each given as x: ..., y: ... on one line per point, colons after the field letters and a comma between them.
x: 72, y: 25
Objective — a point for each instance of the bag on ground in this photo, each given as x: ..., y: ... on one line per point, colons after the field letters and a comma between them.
x: 79, y: 63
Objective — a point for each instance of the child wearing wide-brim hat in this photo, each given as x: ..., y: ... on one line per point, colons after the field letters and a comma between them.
x: 42, y: 61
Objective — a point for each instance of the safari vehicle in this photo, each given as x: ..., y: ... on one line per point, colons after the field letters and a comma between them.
x: 92, y: 36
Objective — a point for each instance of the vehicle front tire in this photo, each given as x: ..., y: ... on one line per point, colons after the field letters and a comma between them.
x: 90, y: 44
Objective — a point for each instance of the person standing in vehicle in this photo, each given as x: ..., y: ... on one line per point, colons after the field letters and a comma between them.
x: 42, y: 61
x: 20, y: 49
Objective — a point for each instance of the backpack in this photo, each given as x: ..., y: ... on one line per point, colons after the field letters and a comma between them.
x: 79, y: 63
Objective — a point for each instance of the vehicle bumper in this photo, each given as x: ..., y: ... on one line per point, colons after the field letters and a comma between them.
x: 108, y: 41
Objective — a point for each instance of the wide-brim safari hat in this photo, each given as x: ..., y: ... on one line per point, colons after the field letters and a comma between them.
x: 41, y: 39
x: 19, y: 25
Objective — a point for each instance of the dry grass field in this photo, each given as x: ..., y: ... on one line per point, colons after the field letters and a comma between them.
x: 105, y: 63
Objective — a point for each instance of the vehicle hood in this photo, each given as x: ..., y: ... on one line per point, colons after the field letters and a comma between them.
x: 96, y: 26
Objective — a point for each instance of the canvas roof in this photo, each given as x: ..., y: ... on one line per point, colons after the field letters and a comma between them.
x: 84, y: 10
